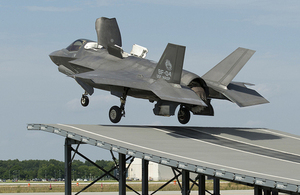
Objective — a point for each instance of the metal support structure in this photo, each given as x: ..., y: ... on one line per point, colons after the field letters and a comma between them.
x: 185, y: 182
x: 257, y: 190
x: 216, y: 186
x: 201, y: 187
x: 105, y: 172
x: 68, y: 164
x: 267, y: 192
x: 122, y: 174
x: 185, y: 186
x: 175, y: 177
x: 145, y: 176
x: 274, y: 192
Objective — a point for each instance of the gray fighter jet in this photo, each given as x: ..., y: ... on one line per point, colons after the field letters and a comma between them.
x: 104, y: 65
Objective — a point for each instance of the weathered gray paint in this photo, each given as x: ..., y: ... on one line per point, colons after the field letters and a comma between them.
x: 105, y: 66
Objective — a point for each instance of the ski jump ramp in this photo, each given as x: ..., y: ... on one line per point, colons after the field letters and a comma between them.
x: 263, y: 158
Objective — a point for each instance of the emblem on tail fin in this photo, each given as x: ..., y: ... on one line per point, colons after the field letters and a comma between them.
x: 170, y: 64
x: 165, y: 74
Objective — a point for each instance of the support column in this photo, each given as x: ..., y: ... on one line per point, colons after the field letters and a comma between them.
x: 185, y: 182
x: 274, y: 193
x: 122, y: 174
x: 201, y: 188
x: 267, y: 192
x: 145, y: 176
x: 257, y: 190
x: 216, y: 186
x: 68, y: 181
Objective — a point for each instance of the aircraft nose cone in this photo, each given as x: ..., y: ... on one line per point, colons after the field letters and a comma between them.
x: 54, y: 56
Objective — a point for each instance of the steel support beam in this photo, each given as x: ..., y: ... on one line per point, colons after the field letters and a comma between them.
x: 185, y: 182
x: 175, y: 177
x: 216, y: 186
x: 274, y: 193
x: 122, y: 174
x: 68, y: 164
x: 257, y: 190
x: 201, y: 187
x: 145, y: 176
x: 267, y: 192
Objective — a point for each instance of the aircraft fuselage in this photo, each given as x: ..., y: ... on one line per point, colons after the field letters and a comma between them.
x: 100, y: 59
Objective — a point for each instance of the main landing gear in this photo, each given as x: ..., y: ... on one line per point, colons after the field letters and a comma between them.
x: 183, y: 115
x: 84, y: 100
x: 115, y: 112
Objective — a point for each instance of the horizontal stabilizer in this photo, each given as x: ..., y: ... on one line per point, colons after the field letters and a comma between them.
x: 223, y: 73
x: 241, y: 95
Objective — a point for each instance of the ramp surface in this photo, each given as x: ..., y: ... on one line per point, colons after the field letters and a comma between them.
x: 261, y: 157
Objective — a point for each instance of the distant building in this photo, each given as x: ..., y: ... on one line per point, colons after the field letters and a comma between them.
x: 156, y: 171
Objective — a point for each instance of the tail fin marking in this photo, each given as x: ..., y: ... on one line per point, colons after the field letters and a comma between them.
x: 170, y: 64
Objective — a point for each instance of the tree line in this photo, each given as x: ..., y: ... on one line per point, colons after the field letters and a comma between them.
x: 50, y: 169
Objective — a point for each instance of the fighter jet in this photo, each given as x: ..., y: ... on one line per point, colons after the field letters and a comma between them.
x: 104, y: 65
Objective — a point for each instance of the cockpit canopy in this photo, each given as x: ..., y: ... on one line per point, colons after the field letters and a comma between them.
x: 137, y: 50
x: 76, y: 45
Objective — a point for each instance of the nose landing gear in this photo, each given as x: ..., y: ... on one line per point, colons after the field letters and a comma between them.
x: 84, y: 100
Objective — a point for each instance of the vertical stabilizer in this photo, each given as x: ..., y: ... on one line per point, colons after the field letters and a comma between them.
x: 223, y: 73
x: 108, y: 32
x: 170, y: 64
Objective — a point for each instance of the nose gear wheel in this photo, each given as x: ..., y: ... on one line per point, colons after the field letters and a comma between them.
x: 84, y: 100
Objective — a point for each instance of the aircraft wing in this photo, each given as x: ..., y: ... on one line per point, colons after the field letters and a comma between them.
x: 161, y: 88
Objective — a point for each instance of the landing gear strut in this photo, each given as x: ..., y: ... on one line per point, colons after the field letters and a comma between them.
x: 84, y: 100
x: 183, y: 115
x: 115, y: 112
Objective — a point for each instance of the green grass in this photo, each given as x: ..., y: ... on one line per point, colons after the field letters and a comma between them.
x: 108, y: 187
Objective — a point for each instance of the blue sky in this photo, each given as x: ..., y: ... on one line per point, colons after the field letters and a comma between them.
x: 33, y: 91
